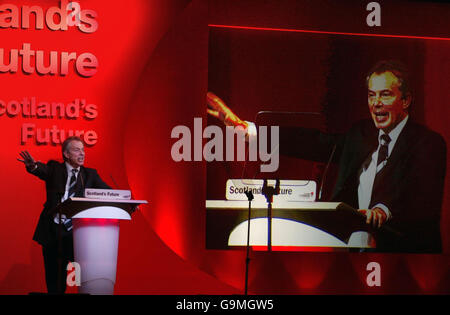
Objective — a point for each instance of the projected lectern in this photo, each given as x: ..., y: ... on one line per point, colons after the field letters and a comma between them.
x: 96, y: 239
x: 310, y: 224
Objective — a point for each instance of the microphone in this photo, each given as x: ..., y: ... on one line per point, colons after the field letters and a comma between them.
x: 322, y: 180
x: 82, y: 182
x: 114, y: 182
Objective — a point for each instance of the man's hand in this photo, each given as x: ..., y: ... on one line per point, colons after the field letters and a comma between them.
x: 376, y: 216
x: 27, y: 159
x: 218, y: 109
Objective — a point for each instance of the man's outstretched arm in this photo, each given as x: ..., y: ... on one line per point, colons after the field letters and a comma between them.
x: 32, y: 166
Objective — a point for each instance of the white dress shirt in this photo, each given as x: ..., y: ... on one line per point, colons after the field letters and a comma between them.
x: 366, y: 181
x: 69, y: 169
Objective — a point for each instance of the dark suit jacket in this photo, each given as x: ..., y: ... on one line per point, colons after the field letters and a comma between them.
x: 411, y: 183
x: 55, y: 176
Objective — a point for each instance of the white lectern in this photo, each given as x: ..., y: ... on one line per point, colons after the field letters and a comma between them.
x: 96, y: 239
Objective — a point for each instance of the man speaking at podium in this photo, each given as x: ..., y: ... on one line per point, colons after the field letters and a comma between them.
x: 390, y: 168
x: 62, y: 181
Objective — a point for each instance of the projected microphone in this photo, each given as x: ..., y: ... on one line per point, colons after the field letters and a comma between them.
x: 322, y: 180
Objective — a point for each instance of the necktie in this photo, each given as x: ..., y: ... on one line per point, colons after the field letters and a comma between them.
x: 384, y: 150
x: 72, y: 184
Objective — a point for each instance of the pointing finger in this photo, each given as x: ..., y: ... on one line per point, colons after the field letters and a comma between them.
x: 369, y: 217
x: 380, y: 220
x: 214, y: 101
x: 375, y: 219
x: 213, y: 113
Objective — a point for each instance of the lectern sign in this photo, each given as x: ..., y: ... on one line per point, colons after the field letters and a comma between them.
x: 107, y: 194
x: 290, y: 190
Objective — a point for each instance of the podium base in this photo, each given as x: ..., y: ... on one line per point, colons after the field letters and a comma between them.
x: 97, y: 287
x: 96, y: 244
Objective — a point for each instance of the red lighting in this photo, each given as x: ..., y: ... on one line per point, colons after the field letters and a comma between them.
x: 323, y: 32
x: 294, y: 249
x: 99, y: 221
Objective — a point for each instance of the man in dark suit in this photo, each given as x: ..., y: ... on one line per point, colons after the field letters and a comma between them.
x: 390, y: 168
x: 62, y: 180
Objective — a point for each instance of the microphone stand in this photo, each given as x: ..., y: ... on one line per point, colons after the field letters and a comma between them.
x: 250, y: 197
x: 266, y: 192
x: 60, y: 255
x: 269, y: 192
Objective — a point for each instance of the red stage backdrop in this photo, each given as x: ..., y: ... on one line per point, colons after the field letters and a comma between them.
x: 126, y: 75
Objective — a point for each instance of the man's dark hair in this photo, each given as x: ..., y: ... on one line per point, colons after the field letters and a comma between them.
x: 66, y: 143
x: 398, y: 68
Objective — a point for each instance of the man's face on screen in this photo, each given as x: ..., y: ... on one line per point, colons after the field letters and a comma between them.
x: 386, y: 104
x: 75, y: 153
